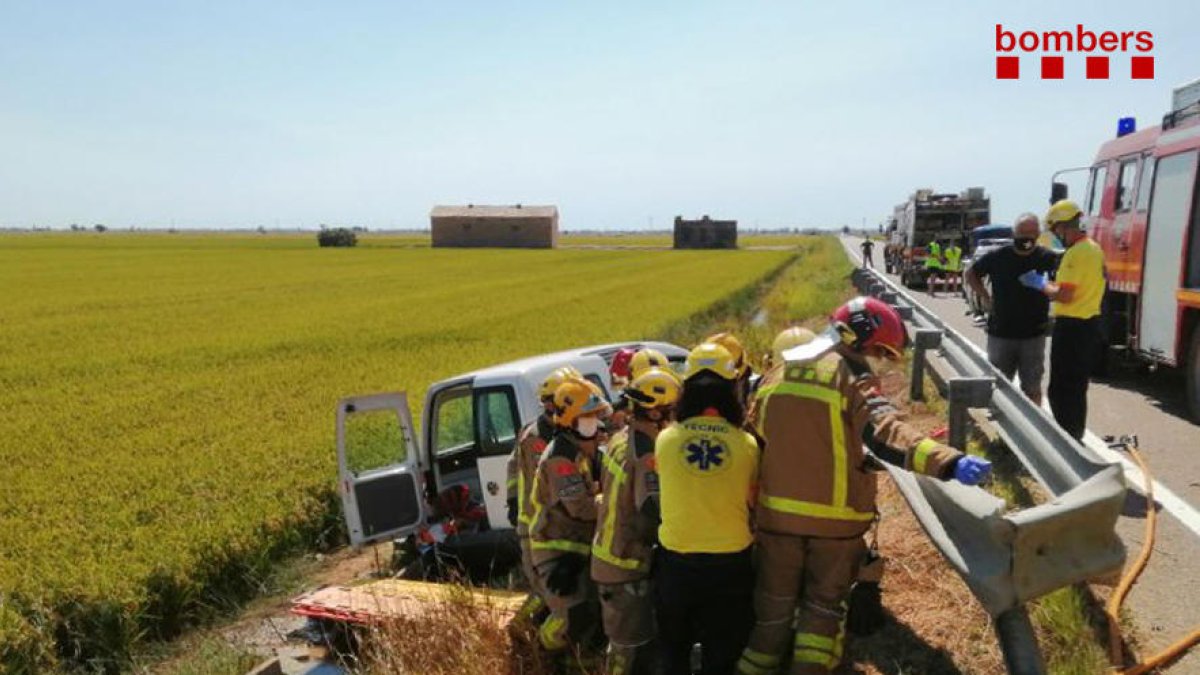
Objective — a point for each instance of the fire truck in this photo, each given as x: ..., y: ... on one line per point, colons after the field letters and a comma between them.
x: 1142, y: 205
x: 929, y: 216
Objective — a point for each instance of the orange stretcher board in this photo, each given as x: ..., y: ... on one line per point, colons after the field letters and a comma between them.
x: 376, y: 601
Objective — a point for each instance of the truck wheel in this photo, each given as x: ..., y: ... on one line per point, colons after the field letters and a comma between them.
x: 1193, y: 375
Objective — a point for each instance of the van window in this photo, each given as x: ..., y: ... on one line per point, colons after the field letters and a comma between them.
x: 452, y: 420
x: 1125, y: 185
x: 1096, y: 191
x: 497, y: 423
x: 595, y: 379
x: 374, y: 439
x: 1144, y: 183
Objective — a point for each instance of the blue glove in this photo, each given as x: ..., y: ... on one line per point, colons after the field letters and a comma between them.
x: 1033, y: 279
x: 970, y: 470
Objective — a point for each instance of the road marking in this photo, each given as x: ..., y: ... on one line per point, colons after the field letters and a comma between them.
x: 1170, y: 502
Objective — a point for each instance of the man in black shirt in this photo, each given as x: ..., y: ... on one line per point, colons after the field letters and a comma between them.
x: 867, y: 247
x: 1019, y: 316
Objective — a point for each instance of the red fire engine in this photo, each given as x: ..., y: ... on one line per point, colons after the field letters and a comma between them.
x: 1142, y: 205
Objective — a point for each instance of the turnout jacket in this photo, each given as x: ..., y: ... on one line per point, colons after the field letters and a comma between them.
x: 628, y: 514
x: 564, y: 501
x: 815, y: 416
x: 522, y: 465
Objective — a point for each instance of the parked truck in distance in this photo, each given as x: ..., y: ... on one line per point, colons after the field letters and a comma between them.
x: 1142, y: 205
x: 930, y: 216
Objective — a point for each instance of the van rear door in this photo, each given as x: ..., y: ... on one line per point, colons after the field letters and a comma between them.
x: 378, y: 467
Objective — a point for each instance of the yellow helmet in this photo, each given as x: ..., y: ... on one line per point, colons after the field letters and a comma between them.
x: 1062, y: 211
x: 647, y: 358
x: 575, y: 398
x: 654, y: 388
x: 789, y: 338
x: 734, y: 346
x: 555, y: 378
x: 713, y: 358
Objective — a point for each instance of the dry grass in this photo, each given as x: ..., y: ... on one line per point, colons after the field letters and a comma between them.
x: 461, y: 635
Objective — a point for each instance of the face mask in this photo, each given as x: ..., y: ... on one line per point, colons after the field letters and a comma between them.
x: 587, y: 427
x: 1024, y: 244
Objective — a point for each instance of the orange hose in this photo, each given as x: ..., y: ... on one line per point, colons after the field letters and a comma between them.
x: 1113, y: 609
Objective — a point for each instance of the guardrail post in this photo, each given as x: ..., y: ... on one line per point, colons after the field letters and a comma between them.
x: 1019, y: 643
x: 890, y: 297
x: 966, y: 393
x: 926, y: 339
x: 905, y: 312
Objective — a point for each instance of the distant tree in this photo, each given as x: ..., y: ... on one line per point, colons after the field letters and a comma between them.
x: 338, y: 236
x: 100, y: 228
x: 75, y: 227
x: 262, y: 230
x: 846, y: 229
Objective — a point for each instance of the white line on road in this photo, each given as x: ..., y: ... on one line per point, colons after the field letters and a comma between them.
x: 1170, y: 502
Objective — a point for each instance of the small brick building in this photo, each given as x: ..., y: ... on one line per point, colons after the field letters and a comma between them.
x: 705, y: 233
x: 517, y: 226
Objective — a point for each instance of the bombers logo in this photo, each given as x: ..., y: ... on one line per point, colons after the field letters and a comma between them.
x: 1098, y: 49
x: 705, y: 455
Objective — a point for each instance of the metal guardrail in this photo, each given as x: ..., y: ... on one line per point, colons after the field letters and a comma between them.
x: 1008, y: 559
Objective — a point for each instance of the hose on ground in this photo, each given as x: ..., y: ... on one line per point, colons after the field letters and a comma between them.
x: 1113, y: 608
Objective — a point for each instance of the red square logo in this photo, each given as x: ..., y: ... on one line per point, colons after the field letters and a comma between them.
x: 1052, y: 67
x: 1097, y: 67
x: 1008, y: 67
x: 1142, y: 67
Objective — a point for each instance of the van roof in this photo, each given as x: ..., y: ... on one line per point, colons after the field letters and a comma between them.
x: 542, y: 362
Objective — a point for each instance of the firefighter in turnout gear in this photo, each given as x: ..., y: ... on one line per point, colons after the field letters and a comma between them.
x: 564, y: 516
x: 522, y: 465
x: 741, y: 360
x: 627, y: 525
x: 816, y: 495
x: 647, y: 358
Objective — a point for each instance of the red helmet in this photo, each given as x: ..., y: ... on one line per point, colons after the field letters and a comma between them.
x: 620, y: 363
x: 865, y: 322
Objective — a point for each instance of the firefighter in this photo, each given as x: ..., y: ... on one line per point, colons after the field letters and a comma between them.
x: 744, y: 373
x: 627, y: 525
x: 933, y: 265
x: 646, y: 358
x: 816, y: 495
x: 707, y: 464
x: 1077, y: 339
x: 522, y: 465
x: 787, y: 339
x: 564, y: 520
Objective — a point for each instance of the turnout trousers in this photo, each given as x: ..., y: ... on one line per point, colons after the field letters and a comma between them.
x: 628, y: 612
x: 1074, y: 350
x: 812, y: 575
x: 574, y: 619
x: 532, y: 608
x: 703, y: 598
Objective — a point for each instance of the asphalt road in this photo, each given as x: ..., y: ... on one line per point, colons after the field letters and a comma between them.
x: 1130, y: 400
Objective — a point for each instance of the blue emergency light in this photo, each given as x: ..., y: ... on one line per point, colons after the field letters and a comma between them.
x: 1126, y: 126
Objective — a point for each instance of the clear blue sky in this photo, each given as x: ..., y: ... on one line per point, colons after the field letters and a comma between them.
x: 223, y: 114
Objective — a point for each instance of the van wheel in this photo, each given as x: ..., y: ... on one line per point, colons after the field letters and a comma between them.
x: 1193, y: 375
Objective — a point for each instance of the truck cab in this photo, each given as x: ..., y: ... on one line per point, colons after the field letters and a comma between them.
x: 1142, y: 206
x: 389, y: 472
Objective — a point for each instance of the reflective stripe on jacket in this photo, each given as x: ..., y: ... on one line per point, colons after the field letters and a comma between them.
x: 626, y: 520
x: 815, y: 417
x: 564, y: 502
x: 522, y: 465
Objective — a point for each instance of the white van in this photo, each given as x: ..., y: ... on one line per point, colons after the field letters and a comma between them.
x: 388, y: 475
